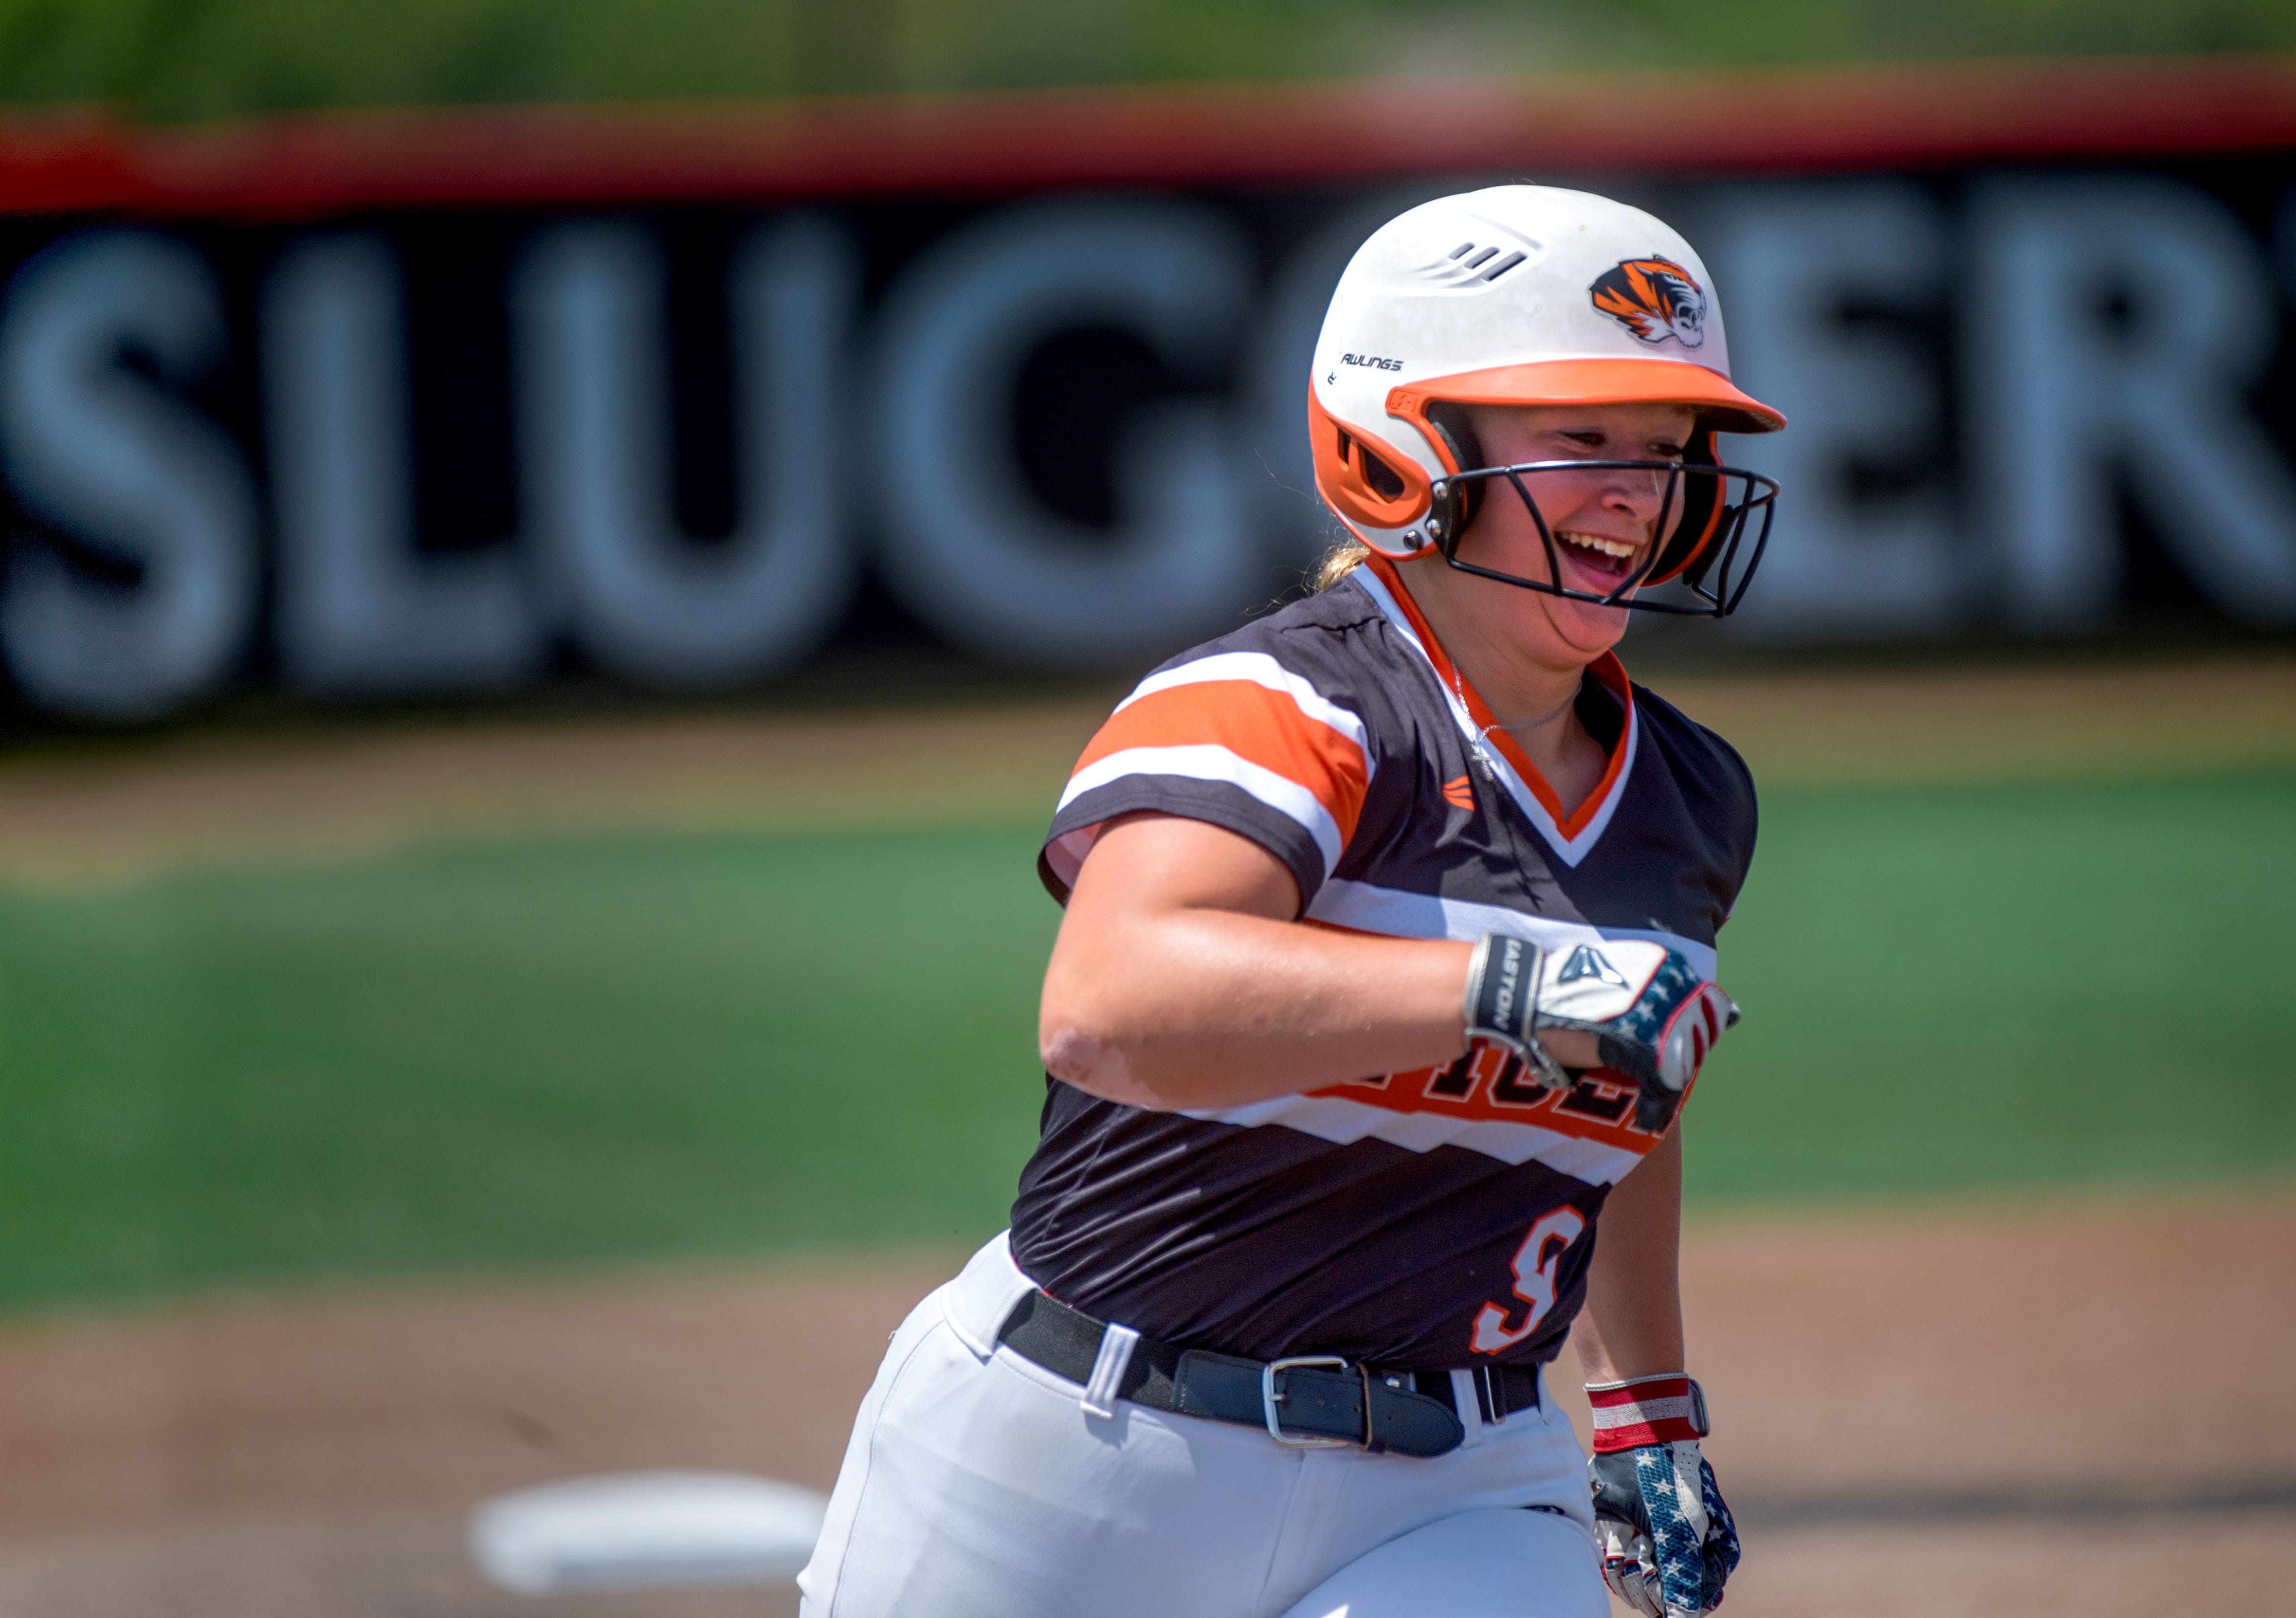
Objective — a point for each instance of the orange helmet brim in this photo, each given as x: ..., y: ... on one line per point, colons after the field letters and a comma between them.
x: 1596, y: 381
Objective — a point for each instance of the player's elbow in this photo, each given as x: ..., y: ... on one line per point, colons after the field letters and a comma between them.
x: 1082, y: 1044
x: 1096, y: 1061
x: 1105, y: 1023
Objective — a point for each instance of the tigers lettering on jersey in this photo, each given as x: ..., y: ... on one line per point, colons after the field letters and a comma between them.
x: 1384, y: 1217
x: 1487, y: 1102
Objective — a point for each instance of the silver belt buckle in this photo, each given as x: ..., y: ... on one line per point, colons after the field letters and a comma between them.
x: 1269, y: 1399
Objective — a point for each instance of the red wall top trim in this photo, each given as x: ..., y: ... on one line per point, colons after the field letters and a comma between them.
x: 1703, y: 124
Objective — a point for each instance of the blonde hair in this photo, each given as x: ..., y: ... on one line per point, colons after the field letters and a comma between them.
x: 1343, y: 558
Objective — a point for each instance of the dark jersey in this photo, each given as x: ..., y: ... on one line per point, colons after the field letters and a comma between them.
x: 1420, y: 1220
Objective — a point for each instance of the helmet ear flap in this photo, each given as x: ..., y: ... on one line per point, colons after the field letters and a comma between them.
x: 1456, y: 433
x: 1372, y: 488
x: 1688, y: 552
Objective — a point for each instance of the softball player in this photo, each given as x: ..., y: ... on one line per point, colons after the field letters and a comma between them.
x: 1387, y: 958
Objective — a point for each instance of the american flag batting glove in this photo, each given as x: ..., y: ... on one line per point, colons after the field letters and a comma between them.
x: 1666, y: 1539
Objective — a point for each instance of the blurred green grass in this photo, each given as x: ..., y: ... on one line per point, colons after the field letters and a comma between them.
x: 517, y: 1055
x: 163, y: 60
x: 2008, y: 986
x: 583, y: 1051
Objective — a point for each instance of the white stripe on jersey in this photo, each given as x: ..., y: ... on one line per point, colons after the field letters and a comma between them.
x: 1365, y: 907
x: 1259, y: 670
x: 1343, y: 1123
x: 1210, y: 762
x: 1572, y: 849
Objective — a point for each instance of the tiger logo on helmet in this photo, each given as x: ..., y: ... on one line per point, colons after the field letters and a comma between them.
x: 1655, y: 299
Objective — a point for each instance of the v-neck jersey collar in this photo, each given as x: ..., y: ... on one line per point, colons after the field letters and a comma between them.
x: 1572, y: 836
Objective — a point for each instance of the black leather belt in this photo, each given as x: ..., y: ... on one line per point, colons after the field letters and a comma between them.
x: 1307, y: 1400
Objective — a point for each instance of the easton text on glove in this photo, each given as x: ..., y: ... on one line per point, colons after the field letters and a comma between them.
x: 1653, y: 1017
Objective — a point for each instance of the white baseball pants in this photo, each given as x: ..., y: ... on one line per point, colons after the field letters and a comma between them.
x: 977, y: 1485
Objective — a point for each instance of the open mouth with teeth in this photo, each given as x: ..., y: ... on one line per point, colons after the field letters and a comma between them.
x: 1602, y: 560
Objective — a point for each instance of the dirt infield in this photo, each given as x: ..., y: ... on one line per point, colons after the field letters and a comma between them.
x: 111, y: 814
x: 2006, y: 1409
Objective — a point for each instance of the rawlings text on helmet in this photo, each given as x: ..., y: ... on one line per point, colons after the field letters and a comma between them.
x: 1655, y: 299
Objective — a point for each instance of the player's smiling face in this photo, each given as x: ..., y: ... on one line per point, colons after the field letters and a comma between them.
x: 1604, y: 520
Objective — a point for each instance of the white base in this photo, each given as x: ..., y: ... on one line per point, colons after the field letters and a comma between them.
x: 643, y: 1530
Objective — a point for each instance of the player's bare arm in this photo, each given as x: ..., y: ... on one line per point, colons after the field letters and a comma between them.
x: 1632, y: 1323
x: 1181, y: 980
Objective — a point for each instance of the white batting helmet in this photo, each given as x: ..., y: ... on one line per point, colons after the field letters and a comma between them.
x: 1523, y: 295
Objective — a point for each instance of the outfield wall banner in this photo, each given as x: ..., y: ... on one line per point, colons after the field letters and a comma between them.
x: 386, y: 406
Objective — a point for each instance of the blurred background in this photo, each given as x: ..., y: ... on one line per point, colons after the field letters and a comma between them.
x: 540, y: 537
x: 172, y: 61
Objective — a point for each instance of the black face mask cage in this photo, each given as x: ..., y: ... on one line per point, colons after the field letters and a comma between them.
x: 1713, y: 578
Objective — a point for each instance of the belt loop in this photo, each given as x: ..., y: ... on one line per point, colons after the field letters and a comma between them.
x: 1108, y: 1369
x: 1467, y: 1398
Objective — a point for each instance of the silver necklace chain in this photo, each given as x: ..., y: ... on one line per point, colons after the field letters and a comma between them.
x: 1483, y: 755
x: 1535, y: 724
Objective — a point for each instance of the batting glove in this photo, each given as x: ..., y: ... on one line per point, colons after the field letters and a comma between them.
x: 1667, y: 1542
x: 1654, y: 1018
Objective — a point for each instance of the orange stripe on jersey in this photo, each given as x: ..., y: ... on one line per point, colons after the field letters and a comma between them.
x: 1260, y: 725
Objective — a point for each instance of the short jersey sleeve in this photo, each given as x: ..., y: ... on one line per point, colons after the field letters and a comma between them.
x: 1235, y: 738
